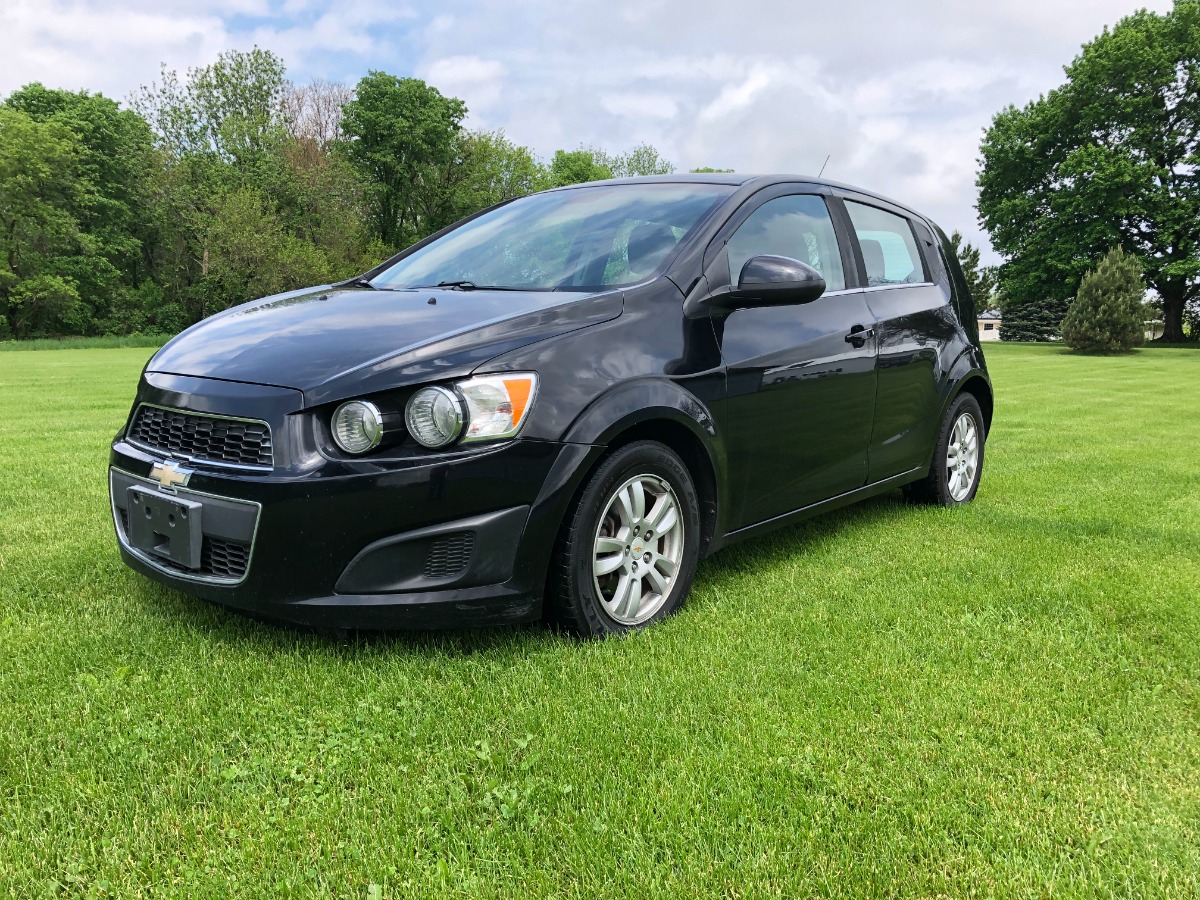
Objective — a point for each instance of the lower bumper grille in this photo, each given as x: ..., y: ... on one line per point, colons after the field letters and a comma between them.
x: 220, y: 553
x: 449, y: 555
x: 220, y: 559
x: 224, y: 559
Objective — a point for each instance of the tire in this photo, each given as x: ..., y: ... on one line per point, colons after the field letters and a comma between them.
x: 956, y: 468
x: 608, y: 579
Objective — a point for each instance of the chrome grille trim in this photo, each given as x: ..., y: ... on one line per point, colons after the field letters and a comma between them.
x: 268, y: 448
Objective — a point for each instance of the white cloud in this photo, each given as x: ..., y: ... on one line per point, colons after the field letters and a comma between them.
x: 738, y: 96
x: 896, y: 92
x: 635, y: 105
x: 100, y: 48
x: 481, y: 80
x: 115, y: 45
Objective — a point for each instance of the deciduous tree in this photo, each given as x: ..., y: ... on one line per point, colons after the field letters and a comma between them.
x: 576, y: 167
x: 41, y: 183
x: 313, y: 111
x: 641, y: 160
x: 400, y: 133
x: 110, y: 206
x: 232, y: 108
x: 1108, y: 158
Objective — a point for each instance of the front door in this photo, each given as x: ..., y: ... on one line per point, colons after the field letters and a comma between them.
x: 800, y: 379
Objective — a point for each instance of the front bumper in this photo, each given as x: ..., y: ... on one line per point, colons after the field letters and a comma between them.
x: 457, y: 542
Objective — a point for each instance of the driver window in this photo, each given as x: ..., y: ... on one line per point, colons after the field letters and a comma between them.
x: 797, y: 226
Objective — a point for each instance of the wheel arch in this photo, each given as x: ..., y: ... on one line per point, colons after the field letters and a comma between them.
x: 968, y: 372
x: 978, y: 386
x: 688, y: 448
x: 660, y: 410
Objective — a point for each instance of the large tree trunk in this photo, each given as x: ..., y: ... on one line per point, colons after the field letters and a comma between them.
x: 1172, y: 302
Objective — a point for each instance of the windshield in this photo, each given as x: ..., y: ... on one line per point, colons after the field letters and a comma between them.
x: 574, y: 240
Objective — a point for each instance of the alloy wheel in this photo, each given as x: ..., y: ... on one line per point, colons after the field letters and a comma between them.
x: 638, y: 549
x: 962, y: 457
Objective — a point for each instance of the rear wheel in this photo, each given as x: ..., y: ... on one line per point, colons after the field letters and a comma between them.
x: 628, y: 550
x: 957, y: 463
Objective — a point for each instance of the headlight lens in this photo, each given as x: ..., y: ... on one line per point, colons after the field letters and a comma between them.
x: 357, y: 426
x: 434, y: 416
x: 497, y: 405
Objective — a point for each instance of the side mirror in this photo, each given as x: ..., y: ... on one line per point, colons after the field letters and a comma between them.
x: 763, y: 281
x: 776, y: 280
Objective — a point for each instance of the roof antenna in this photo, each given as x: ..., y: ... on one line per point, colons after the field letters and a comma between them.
x: 827, y: 159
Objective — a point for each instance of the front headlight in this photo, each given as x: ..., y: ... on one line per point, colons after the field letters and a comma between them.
x: 489, y: 408
x: 434, y: 417
x: 357, y: 426
x: 497, y: 405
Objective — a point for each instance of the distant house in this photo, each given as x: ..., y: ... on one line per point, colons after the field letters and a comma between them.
x: 989, y: 325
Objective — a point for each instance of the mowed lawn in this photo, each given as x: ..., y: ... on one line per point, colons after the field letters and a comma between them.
x: 1001, y: 700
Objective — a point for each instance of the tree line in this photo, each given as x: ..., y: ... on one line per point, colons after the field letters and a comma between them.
x: 230, y: 183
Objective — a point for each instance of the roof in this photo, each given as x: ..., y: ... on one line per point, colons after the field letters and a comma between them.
x: 989, y: 314
x: 738, y: 180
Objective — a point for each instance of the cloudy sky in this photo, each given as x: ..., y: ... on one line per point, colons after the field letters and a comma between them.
x: 896, y: 92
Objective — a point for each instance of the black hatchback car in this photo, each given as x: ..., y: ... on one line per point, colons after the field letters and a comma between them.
x: 556, y: 407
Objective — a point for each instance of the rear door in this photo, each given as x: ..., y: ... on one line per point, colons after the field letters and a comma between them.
x: 800, y: 379
x: 913, y: 322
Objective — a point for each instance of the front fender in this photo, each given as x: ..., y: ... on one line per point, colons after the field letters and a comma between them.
x: 662, y: 409
x: 633, y: 402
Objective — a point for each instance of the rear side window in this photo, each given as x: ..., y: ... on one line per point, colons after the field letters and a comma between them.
x: 796, y: 226
x: 888, y: 247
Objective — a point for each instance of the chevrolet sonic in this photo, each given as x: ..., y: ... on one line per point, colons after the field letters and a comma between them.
x: 556, y: 407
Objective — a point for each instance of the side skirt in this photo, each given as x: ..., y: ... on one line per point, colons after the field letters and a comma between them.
x: 816, y: 509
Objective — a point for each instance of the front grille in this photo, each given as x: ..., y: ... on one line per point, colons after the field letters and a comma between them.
x: 449, y: 555
x: 218, y: 558
x: 178, y: 433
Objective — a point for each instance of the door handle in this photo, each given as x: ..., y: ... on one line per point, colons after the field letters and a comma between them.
x: 859, y: 335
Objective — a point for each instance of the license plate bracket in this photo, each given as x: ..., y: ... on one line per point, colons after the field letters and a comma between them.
x: 165, y: 526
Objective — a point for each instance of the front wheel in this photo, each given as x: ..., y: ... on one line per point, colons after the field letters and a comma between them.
x: 629, y: 548
x: 957, y: 463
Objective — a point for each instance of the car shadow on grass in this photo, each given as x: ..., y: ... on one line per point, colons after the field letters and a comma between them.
x: 176, y: 610
x: 775, y: 547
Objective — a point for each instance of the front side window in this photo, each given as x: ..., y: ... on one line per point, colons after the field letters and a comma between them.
x: 587, y: 238
x: 797, y: 226
x: 888, y: 246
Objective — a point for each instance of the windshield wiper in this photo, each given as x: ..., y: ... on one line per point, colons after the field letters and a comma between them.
x: 469, y: 286
x: 357, y: 281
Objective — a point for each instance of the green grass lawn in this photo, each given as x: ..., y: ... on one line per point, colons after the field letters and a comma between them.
x: 1000, y: 700
x: 85, y: 343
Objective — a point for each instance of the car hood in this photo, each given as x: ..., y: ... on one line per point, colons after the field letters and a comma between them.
x: 333, y: 342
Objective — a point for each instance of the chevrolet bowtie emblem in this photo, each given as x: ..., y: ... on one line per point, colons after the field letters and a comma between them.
x: 170, y: 475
